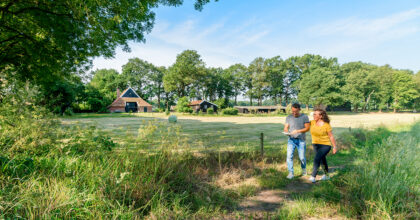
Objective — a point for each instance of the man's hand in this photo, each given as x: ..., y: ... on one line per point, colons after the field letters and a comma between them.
x: 334, y: 150
x: 294, y: 132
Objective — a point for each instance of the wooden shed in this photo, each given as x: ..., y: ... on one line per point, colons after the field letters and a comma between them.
x: 129, y: 101
x: 259, y: 109
x: 202, y: 105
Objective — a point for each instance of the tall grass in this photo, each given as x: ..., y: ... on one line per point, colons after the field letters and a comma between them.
x: 383, y: 180
x: 53, y: 171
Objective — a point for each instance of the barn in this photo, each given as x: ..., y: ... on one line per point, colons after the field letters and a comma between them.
x: 260, y: 109
x: 129, y: 101
x: 202, y: 105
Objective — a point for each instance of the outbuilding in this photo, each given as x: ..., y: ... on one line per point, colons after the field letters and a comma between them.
x: 202, y: 105
x: 129, y: 101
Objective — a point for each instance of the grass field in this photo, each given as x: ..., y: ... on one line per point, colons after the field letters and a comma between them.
x: 232, y: 131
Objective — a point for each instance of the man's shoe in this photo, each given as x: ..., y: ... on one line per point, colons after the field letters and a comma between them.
x: 325, y: 177
x: 290, y: 176
x: 303, y: 172
x: 312, y: 179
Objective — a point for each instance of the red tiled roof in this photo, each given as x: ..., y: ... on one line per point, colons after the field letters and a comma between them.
x: 196, y: 102
x: 120, y: 102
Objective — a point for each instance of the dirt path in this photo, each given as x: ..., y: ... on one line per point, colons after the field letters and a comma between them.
x: 271, y: 200
x: 267, y: 202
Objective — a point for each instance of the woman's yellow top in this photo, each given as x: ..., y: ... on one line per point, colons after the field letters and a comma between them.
x: 320, y: 133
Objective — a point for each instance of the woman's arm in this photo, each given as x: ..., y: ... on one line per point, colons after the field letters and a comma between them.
x: 332, y: 139
x: 303, y: 130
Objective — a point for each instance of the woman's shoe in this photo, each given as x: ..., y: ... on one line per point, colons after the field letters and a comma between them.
x: 325, y: 177
x: 312, y: 179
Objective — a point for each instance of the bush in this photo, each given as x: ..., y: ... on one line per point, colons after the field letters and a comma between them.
x: 230, y: 111
x: 167, y: 112
x: 68, y: 112
x: 210, y: 111
x: 222, y: 103
x: 173, y: 119
x: 182, y: 105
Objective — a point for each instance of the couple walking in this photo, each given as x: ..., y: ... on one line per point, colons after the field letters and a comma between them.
x: 297, y: 124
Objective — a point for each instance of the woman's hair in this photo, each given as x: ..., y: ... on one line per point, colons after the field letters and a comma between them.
x: 324, y: 115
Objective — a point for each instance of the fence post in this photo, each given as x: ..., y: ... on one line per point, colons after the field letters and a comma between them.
x: 262, y: 144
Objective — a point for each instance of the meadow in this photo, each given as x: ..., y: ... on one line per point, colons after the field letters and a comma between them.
x: 228, y: 132
x: 139, y: 166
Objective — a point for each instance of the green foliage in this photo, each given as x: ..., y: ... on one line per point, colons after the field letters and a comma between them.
x: 210, y: 111
x: 230, y: 111
x: 57, y: 38
x: 221, y: 103
x: 182, y: 105
x: 188, y: 69
x: 405, y: 90
x: 320, y: 86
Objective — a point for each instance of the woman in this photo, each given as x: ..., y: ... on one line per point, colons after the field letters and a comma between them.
x: 322, y: 138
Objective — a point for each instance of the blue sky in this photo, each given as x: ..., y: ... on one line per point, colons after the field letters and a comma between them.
x: 238, y: 31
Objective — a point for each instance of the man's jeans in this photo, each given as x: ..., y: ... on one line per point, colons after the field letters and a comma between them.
x: 292, y: 144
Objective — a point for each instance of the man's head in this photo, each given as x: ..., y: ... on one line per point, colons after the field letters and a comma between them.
x: 296, y: 109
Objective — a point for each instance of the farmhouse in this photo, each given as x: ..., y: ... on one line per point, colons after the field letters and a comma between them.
x: 202, y: 105
x: 259, y: 109
x: 129, y: 101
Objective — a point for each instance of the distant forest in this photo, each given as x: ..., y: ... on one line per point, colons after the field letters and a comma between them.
x: 308, y: 79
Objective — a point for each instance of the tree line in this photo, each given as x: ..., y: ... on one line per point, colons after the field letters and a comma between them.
x: 309, y: 79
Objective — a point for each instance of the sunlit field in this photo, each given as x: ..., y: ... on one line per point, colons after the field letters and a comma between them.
x: 231, y: 131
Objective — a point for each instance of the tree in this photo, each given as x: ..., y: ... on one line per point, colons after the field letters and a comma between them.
x: 156, y: 79
x: 303, y: 66
x: 276, y: 70
x: 187, y: 70
x: 237, y: 73
x: 43, y: 40
x: 319, y: 87
x: 404, y: 90
x: 182, y: 105
x: 106, y: 81
x: 259, y: 78
x: 383, y: 76
x: 416, y: 79
x: 138, y: 74
x: 291, y: 76
x: 360, y: 84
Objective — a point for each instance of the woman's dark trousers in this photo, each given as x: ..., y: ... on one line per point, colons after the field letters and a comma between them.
x: 321, y: 152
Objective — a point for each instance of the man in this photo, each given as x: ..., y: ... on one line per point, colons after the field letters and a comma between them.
x: 296, y: 125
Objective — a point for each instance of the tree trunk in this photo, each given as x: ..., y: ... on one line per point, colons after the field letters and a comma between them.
x: 367, y: 101
x: 236, y: 96
x: 307, y: 108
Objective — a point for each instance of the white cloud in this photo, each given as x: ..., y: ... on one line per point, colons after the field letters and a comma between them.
x: 357, y: 27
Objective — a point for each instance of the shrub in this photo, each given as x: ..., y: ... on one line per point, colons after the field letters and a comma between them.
x: 173, y: 119
x: 167, y: 112
x: 68, y: 112
x: 230, y: 111
x: 210, y: 111
x: 222, y: 103
x: 182, y: 105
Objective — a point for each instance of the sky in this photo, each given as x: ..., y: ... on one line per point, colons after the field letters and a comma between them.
x: 238, y: 31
